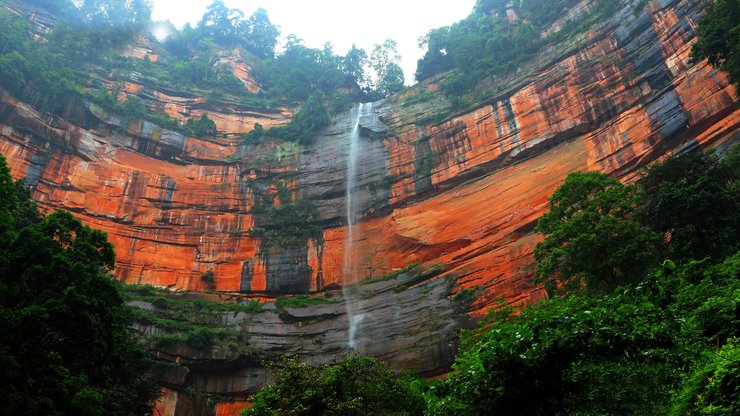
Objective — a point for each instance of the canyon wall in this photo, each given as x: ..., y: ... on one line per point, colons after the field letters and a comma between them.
x: 458, y: 194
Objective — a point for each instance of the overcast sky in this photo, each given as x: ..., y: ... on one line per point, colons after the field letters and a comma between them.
x: 340, y: 22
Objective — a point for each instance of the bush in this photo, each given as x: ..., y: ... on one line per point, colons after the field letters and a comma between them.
x: 712, y: 389
x: 578, y: 355
x: 357, y: 386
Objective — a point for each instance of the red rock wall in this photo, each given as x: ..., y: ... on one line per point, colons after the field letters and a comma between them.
x: 170, y: 221
x: 491, y: 178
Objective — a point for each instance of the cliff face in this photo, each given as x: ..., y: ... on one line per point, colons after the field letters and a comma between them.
x: 460, y: 194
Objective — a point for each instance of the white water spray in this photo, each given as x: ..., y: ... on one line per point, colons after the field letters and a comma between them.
x: 350, y: 276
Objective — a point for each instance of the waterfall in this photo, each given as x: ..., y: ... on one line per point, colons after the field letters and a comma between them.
x: 350, y: 275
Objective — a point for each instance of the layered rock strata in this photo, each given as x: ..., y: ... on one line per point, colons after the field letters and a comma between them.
x: 460, y: 189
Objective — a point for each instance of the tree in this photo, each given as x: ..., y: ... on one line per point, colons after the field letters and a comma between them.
x: 201, y: 127
x: 719, y: 38
x: 221, y: 23
x: 66, y: 346
x: 713, y: 387
x: 119, y: 14
x: 13, y: 69
x: 312, y: 116
x: 580, y: 355
x: 384, y: 60
x: 207, y: 55
x: 357, y: 386
x: 261, y: 35
x: 353, y: 66
x: 436, y: 59
x: 693, y: 200
x: 592, y: 237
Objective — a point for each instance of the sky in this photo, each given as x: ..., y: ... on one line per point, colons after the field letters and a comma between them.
x: 340, y: 22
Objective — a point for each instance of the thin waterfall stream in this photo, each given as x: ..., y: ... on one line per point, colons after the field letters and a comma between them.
x: 350, y: 274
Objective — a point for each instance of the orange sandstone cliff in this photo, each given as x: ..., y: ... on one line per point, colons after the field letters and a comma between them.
x: 458, y: 195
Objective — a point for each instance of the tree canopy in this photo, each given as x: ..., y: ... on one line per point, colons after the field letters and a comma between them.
x: 649, y: 348
x: 592, y: 236
x: 693, y: 200
x: 355, y: 387
x: 487, y: 42
x: 719, y: 38
x: 66, y: 345
x: 385, y: 61
x: 600, y: 234
x: 229, y: 27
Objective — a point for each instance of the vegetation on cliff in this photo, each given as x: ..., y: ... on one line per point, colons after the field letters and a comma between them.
x: 52, y: 74
x: 66, y: 343
x: 174, y: 321
x: 593, y: 236
x: 631, y: 351
x: 356, y: 386
x: 311, y: 117
x: 719, y: 38
x: 497, y: 37
x: 284, y: 221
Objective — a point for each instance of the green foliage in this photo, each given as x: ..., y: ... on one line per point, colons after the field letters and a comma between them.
x: 357, y: 386
x: 709, y: 296
x: 134, y: 109
x: 486, y: 43
x: 641, y: 349
x: 302, y: 128
x: 719, y: 38
x: 53, y: 273
x: 300, y: 71
x: 13, y: 69
x: 262, y: 34
x: 201, y: 127
x: 116, y: 14
x: 35, y: 72
x: 592, y: 237
x: 289, y: 224
x: 197, y: 67
x: 575, y: 355
x: 600, y: 233
x: 693, y: 199
x: 182, y: 304
x: 300, y: 301
x: 228, y: 27
x: 385, y: 61
x: 712, y: 389
x: 61, y: 8
x: 182, y: 319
